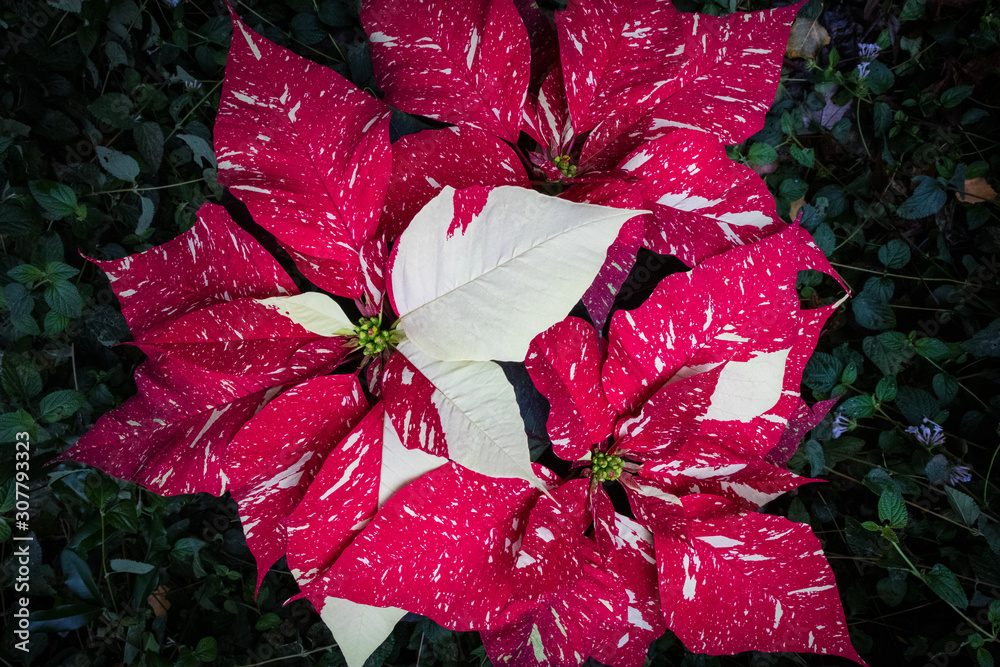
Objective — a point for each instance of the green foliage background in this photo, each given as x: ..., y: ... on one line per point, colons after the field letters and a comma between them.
x: 106, y: 111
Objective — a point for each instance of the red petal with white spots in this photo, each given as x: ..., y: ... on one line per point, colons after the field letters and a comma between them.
x: 740, y: 581
x: 565, y: 604
x: 411, y: 405
x: 307, y: 152
x: 373, y: 257
x: 553, y: 128
x: 731, y: 74
x: 739, y: 307
x: 542, y: 36
x: 564, y: 362
x: 803, y: 420
x: 177, y: 428
x: 443, y: 546
x: 341, y: 500
x: 618, y: 55
x: 467, y: 67
x: 245, y: 337
x: 425, y: 162
x: 213, y: 262
x: 273, y: 459
x: 627, y: 549
x: 703, y: 466
x: 703, y: 203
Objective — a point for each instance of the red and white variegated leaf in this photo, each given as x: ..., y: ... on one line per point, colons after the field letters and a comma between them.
x: 213, y: 262
x: 374, y: 254
x: 412, y: 406
x: 361, y: 474
x: 740, y: 306
x: 703, y: 203
x: 627, y: 549
x: 730, y: 77
x: 803, y: 420
x: 564, y: 362
x: 177, y: 428
x: 738, y: 581
x: 477, y: 412
x: 255, y: 337
x: 467, y: 67
x: 618, y: 55
x: 704, y: 466
x: 564, y: 604
x: 655, y: 508
x: 425, y: 162
x: 443, y: 546
x: 546, y: 117
x: 471, y: 256
x: 600, y: 296
x: 273, y: 459
x: 358, y: 629
x: 307, y: 152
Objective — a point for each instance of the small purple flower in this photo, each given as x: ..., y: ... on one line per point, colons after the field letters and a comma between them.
x: 928, y: 433
x: 868, y: 51
x: 959, y: 474
x: 863, y: 70
x: 841, y: 425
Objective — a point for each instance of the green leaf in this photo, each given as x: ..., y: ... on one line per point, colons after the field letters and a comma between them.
x: 26, y: 274
x: 57, y: 199
x: 206, y: 649
x: 931, y: 348
x: 889, y: 351
x: 894, y: 255
x: 19, y: 377
x: 913, y: 10
x: 814, y: 454
x: 871, y: 307
x: 60, y: 404
x: 892, y: 588
x: 78, y: 576
x: 885, y: 390
x: 267, y: 621
x: 986, y: 343
x: 964, y: 505
x: 118, y: 164
x: 822, y: 372
x: 805, y: 156
x: 954, y: 96
x: 202, y: 150
x: 883, y: 117
x: 892, y: 508
x: 943, y: 581
x: 993, y: 612
x: 64, y: 617
x: 15, y: 221
x: 946, y: 387
x: 12, y: 423
x: 858, y: 407
x: 915, y: 404
x: 926, y: 200
x: 872, y: 526
x: 984, y: 657
x: 59, y: 271
x: 149, y: 139
x: 761, y: 153
x: 64, y: 298
x: 5, y: 530
x: 130, y: 566
x: 146, y: 216
x: 115, y: 109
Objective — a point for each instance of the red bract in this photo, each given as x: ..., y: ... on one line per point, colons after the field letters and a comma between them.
x: 420, y: 494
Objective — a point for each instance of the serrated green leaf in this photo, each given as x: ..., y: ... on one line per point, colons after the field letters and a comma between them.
x: 926, y: 200
x: 64, y: 298
x: 267, y: 621
x: 60, y: 404
x: 913, y: 10
x: 55, y: 323
x: 12, y: 423
x: 19, y: 377
x: 954, y: 96
x: 115, y: 109
x: 149, y: 139
x: 964, y: 505
x: 930, y: 348
x: 206, y: 650
x: 892, y: 508
x: 986, y: 343
x: 872, y: 526
x: 858, y: 407
x: 892, y: 589
x: 894, y: 255
x: 943, y: 581
x: 202, y: 150
x: 26, y: 274
x: 57, y: 199
x: 885, y: 390
x: 916, y: 404
x: 118, y: 164
x: 888, y: 351
x: 804, y: 156
x: 761, y: 153
x: 59, y: 271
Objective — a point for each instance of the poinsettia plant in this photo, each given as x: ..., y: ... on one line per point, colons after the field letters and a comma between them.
x: 363, y: 425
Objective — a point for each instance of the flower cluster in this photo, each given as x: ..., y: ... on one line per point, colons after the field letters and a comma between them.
x: 390, y: 465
